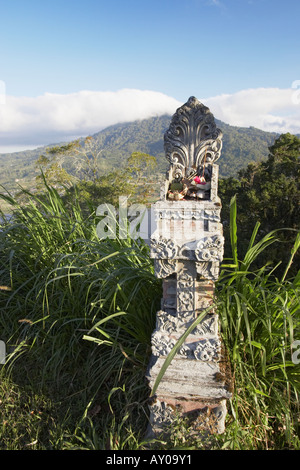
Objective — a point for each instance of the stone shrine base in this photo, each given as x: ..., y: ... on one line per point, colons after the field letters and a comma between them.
x: 178, y: 394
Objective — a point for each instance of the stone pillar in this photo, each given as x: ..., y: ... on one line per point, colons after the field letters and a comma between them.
x: 187, y: 248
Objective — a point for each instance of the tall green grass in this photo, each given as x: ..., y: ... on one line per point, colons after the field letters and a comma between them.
x: 260, y: 320
x: 59, y: 282
x: 77, y: 315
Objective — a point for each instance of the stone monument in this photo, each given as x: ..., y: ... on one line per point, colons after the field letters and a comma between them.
x: 187, y: 248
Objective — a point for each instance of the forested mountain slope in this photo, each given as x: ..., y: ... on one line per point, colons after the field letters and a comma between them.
x: 240, y: 147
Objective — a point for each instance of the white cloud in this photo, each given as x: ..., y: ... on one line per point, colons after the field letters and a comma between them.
x: 269, y: 109
x: 51, y: 118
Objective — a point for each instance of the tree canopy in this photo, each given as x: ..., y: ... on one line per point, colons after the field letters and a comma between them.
x: 268, y: 192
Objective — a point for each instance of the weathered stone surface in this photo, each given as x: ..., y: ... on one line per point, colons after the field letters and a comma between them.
x: 190, y: 379
x: 184, y: 221
x: 187, y: 248
x: 204, y: 417
x: 194, y: 347
x: 208, y: 248
x: 166, y: 322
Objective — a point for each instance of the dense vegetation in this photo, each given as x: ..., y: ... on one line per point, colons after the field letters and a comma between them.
x: 115, y: 143
x: 77, y: 314
x: 268, y: 192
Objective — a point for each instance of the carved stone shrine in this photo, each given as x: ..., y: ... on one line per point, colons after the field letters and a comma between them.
x: 187, y: 248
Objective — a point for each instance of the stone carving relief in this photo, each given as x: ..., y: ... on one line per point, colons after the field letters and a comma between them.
x: 162, y: 345
x: 185, y: 300
x: 206, y: 350
x: 208, y: 270
x: 164, y: 267
x: 185, y: 280
x: 168, y: 323
x: 209, y: 326
x: 164, y: 248
x: 210, y: 248
x: 187, y: 213
x: 192, y: 135
x: 162, y: 414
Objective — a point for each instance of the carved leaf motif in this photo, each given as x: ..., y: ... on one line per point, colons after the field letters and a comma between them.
x: 161, y: 414
x: 192, y: 136
x: 164, y: 248
x: 168, y: 323
x: 208, y: 270
x: 207, y: 350
x: 162, y: 345
x: 185, y: 299
x: 210, y: 249
x: 164, y: 267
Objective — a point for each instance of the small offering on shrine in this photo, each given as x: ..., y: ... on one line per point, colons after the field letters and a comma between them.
x: 191, y: 187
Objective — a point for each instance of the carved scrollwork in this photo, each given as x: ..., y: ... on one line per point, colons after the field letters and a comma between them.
x: 185, y: 212
x: 185, y: 280
x: 168, y: 323
x: 164, y: 267
x: 185, y: 300
x: 210, y: 248
x: 207, y: 350
x: 208, y: 270
x: 192, y: 137
x: 161, y: 414
x: 163, y: 344
x: 164, y: 248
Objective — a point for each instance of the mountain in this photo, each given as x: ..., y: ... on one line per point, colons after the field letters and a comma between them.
x: 240, y: 146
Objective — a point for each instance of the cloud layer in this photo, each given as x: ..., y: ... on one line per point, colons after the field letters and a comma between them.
x: 269, y: 109
x: 28, y: 122
x: 52, y: 117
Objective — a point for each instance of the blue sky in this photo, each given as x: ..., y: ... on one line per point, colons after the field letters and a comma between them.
x: 217, y: 50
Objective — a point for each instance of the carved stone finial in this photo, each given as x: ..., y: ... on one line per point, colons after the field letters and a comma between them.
x: 192, y: 137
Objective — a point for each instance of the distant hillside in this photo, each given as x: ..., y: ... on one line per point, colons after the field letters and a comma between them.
x: 240, y: 147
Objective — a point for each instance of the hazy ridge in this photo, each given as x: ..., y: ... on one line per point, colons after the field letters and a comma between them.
x: 241, y: 146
